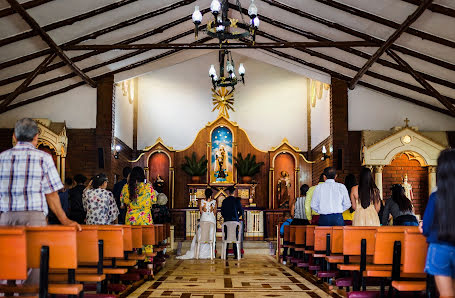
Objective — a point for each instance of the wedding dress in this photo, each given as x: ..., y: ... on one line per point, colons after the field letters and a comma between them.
x: 204, y: 250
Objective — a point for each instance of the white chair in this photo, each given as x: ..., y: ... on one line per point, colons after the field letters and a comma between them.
x: 205, y: 235
x: 231, y: 234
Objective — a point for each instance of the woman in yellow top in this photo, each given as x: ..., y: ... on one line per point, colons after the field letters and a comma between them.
x: 138, y: 196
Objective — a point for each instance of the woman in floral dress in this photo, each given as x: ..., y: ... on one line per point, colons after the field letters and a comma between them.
x: 99, y: 203
x: 138, y: 196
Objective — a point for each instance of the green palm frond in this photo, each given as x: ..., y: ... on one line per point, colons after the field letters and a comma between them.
x: 247, y: 166
x: 195, y: 167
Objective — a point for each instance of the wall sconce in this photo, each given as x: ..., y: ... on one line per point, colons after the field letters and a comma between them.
x: 324, y: 153
x: 116, y: 151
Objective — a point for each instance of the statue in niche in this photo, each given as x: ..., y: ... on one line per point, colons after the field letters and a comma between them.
x: 220, y: 165
x: 283, y: 187
x: 407, y: 188
x: 158, y: 184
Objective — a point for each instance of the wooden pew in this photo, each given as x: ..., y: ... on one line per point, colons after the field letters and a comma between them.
x: 127, y: 248
x: 136, y: 233
x: 336, y: 246
x: 414, y: 252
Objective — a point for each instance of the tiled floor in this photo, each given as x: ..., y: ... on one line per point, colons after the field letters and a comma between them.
x: 253, y: 276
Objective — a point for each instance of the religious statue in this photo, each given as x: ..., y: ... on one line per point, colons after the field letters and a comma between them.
x: 407, y: 188
x: 283, y: 187
x: 220, y: 164
x: 158, y: 184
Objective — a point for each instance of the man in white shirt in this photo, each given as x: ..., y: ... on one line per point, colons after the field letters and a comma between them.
x: 330, y: 200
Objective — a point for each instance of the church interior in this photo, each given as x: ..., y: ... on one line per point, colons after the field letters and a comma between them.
x: 259, y: 95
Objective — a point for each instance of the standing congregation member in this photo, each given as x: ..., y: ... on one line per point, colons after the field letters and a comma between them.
x: 349, y: 182
x: 311, y: 215
x: 138, y: 196
x: 330, y: 199
x: 77, y: 212
x: 99, y: 203
x: 400, y: 207
x: 366, y: 201
x: 439, y: 226
x: 231, y: 210
x: 298, y: 208
x: 63, y: 195
x: 29, y: 184
x: 117, y: 191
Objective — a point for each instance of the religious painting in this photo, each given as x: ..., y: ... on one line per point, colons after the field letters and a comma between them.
x: 221, y: 156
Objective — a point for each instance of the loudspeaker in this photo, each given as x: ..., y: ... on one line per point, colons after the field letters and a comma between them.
x: 100, y: 158
x: 340, y: 159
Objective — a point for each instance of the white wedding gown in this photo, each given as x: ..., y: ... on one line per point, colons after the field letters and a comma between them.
x: 204, y: 250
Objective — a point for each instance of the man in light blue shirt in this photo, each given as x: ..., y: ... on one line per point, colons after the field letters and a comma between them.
x: 330, y: 200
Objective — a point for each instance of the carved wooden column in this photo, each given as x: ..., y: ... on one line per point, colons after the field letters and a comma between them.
x: 431, y: 178
x: 59, y: 166
x: 378, y: 178
x: 63, y: 168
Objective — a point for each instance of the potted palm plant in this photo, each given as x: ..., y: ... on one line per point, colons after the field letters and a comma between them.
x: 247, y: 167
x: 194, y: 167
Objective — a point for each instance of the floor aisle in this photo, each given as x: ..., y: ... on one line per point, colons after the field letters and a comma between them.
x: 253, y: 276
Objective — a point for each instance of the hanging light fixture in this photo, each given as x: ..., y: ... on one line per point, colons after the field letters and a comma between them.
x: 228, y: 79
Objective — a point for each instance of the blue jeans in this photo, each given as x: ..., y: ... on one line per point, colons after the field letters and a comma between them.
x: 441, y: 260
x: 328, y: 220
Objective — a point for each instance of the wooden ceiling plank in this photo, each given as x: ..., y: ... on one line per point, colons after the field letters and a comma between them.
x: 26, y: 82
x: 386, y: 22
x: 29, y: 4
x: 66, y: 22
x: 50, y: 42
x: 392, y: 38
x: 436, y: 8
x: 359, y: 34
x: 449, y: 105
x: 98, y: 33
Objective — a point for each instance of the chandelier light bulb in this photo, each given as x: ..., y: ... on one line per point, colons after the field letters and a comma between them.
x: 233, y: 76
x: 215, y: 6
x: 220, y: 28
x: 197, y: 16
x: 256, y: 22
x: 241, y: 69
x: 252, y: 10
x: 212, y: 71
x: 215, y: 78
x: 324, y: 150
x: 117, y: 148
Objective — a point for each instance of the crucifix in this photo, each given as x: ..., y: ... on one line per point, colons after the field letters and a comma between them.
x: 407, y: 122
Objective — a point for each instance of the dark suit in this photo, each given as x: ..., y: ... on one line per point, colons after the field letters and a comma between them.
x: 77, y: 212
x: 117, y: 192
x: 231, y: 210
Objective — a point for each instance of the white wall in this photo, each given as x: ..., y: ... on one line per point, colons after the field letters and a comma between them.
x: 370, y: 110
x: 175, y: 103
x: 77, y: 107
x: 123, y: 117
x: 320, y: 119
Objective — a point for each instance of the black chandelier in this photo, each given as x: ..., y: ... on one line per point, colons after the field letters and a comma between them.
x: 224, y: 29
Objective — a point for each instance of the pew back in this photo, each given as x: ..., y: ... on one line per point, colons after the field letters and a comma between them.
x: 113, y: 241
x: 127, y: 238
x: 87, y: 244
x: 136, y: 232
x: 300, y: 235
x: 292, y: 234
x: 148, y: 235
x: 309, y: 239
x: 320, y: 237
x: 336, y: 241
x: 414, y: 251
x: 352, y: 237
x: 287, y: 233
x: 13, y: 253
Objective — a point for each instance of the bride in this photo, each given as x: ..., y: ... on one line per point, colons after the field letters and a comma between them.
x: 207, y: 208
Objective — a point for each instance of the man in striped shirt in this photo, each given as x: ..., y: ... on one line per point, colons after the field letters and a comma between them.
x: 29, y: 181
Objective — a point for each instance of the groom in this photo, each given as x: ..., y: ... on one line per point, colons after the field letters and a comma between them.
x: 231, y: 210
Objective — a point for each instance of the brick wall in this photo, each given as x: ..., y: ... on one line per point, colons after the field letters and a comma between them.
x: 417, y: 177
x: 320, y: 165
x: 82, y: 157
x: 125, y: 154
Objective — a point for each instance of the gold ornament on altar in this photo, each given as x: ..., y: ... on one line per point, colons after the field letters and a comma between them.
x: 223, y: 100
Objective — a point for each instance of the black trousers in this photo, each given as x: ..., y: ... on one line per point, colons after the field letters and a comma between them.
x: 234, y: 246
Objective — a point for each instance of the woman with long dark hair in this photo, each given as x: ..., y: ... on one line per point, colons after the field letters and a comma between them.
x: 348, y: 215
x: 366, y: 200
x: 400, y: 207
x: 138, y: 196
x: 439, y: 226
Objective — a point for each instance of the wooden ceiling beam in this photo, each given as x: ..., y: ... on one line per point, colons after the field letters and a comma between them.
x: 389, y: 42
x: 29, y: 4
x: 356, y: 68
x: 66, y: 22
x: 359, y: 34
x: 449, y: 105
x: 386, y: 22
x: 50, y: 42
x: 98, y: 33
x: 186, y: 46
x: 368, y: 85
x: 99, y: 65
x: 353, y: 51
x: 136, y: 38
x: 70, y: 87
x: 436, y: 8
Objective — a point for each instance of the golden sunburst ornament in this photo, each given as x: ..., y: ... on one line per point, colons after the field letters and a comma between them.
x: 223, y: 100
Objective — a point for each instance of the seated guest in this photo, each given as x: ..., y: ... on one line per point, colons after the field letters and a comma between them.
x: 117, y: 191
x: 348, y: 215
x: 298, y: 208
x: 63, y: 195
x: 99, y: 203
x: 330, y: 200
x: 287, y: 222
x: 366, y: 201
x: 311, y: 215
x: 160, y: 212
x: 400, y: 207
x: 76, y: 208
